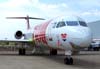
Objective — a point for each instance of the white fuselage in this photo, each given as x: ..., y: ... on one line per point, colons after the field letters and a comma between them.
x: 67, y: 37
x: 80, y: 36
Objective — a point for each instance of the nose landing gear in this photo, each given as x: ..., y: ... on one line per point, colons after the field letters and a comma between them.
x: 68, y: 59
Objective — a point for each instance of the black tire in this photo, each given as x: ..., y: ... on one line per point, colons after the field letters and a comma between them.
x: 71, y: 61
x: 96, y: 49
x: 22, y: 51
x: 53, y: 52
x: 68, y: 61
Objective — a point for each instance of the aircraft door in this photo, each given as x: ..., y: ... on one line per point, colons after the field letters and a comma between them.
x: 51, y: 35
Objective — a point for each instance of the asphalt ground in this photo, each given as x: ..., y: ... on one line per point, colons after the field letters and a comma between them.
x: 11, y: 60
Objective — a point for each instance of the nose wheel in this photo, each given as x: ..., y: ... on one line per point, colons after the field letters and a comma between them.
x: 68, y: 60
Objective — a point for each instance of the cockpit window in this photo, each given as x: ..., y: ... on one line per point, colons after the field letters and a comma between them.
x: 72, y: 23
x: 82, y: 23
x: 60, y: 24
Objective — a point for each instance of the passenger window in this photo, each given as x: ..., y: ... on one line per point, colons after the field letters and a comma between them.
x: 83, y: 23
x: 72, y: 23
x: 60, y: 24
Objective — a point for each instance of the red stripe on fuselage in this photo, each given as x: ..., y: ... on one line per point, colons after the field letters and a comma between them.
x: 40, y: 32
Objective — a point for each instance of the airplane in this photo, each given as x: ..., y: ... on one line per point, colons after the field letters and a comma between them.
x: 67, y: 33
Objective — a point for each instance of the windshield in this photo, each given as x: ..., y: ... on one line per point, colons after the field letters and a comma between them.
x: 60, y: 24
x: 82, y: 23
x: 72, y: 23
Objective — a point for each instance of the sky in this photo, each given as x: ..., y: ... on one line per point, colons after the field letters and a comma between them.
x: 88, y: 10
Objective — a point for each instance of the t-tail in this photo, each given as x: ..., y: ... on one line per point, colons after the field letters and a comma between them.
x: 27, y: 19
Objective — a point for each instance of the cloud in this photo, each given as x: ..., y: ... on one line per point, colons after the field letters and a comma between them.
x: 38, y: 8
x: 95, y: 12
x: 14, y: 3
x: 89, y: 2
x: 52, y: 10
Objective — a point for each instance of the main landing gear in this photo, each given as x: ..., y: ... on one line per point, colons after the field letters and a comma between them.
x: 68, y: 59
x: 22, y: 51
x: 53, y: 52
x: 22, y: 48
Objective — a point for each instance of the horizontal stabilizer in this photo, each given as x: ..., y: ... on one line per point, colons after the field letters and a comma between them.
x: 27, y: 17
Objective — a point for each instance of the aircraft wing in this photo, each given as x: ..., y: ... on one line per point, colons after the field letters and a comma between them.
x: 21, y: 45
x: 16, y: 42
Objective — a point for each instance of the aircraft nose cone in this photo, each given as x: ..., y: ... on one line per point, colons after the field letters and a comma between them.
x: 85, y: 37
x: 82, y: 37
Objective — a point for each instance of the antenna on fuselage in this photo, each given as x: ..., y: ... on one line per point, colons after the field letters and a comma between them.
x: 27, y: 19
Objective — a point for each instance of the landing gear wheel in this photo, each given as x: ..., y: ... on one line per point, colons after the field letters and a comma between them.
x: 22, y: 51
x: 53, y: 52
x: 96, y: 49
x: 68, y: 60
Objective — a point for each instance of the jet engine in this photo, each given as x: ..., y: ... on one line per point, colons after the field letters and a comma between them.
x: 19, y: 34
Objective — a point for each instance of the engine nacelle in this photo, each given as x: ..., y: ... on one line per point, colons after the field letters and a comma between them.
x: 19, y: 34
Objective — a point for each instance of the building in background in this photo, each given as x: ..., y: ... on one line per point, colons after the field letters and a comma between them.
x: 95, y: 29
